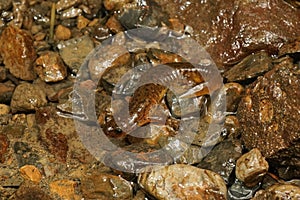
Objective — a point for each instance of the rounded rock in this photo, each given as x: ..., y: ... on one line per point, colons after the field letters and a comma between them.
x: 183, y: 182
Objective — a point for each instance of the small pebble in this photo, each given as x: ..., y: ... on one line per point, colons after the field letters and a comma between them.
x: 70, y: 13
x: 64, y: 188
x: 27, y: 97
x: 50, y: 67
x: 82, y: 22
x: 251, y: 167
x: 114, y: 25
x: 4, y: 109
x: 62, y: 33
x: 106, y: 186
x: 80, y: 47
x: 115, y: 4
x: 30, y: 172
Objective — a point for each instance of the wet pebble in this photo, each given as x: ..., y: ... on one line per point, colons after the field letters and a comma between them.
x: 234, y: 93
x: 114, y: 25
x: 27, y: 97
x: 82, y: 22
x: 65, y: 189
x: 106, y: 186
x: 251, y: 168
x: 70, y: 13
x: 232, y: 126
x: 30, y: 172
x: 18, y: 52
x: 62, y: 33
x: 50, y: 67
x: 4, y: 143
x: 222, y: 158
x: 65, y: 4
x: 4, y: 109
x: 250, y: 67
x: 182, y: 182
x: 279, y: 191
x: 80, y: 47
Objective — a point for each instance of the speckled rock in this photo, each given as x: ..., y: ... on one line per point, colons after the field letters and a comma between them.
x: 251, y: 167
x: 183, y: 182
x: 268, y: 114
x: 27, y: 97
x: 80, y: 47
x: 18, y: 52
x: 106, y: 186
x: 280, y: 192
x: 50, y: 67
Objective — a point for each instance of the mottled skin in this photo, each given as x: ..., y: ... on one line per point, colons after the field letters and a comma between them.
x: 148, y: 95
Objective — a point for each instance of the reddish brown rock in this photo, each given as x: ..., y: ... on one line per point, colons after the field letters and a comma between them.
x: 50, y: 67
x: 57, y: 144
x: 29, y: 191
x: 229, y: 29
x: 268, y: 114
x: 4, y: 143
x: 18, y: 52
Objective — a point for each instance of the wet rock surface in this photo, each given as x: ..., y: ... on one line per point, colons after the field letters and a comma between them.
x: 27, y: 97
x: 230, y: 150
x: 251, y: 167
x: 279, y: 191
x: 43, y: 155
x: 18, y: 52
x: 226, y: 28
x: 50, y: 67
x: 183, y: 182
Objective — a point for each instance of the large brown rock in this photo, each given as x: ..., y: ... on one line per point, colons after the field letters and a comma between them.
x: 18, y: 52
x: 231, y: 30
x: 269, y: 114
